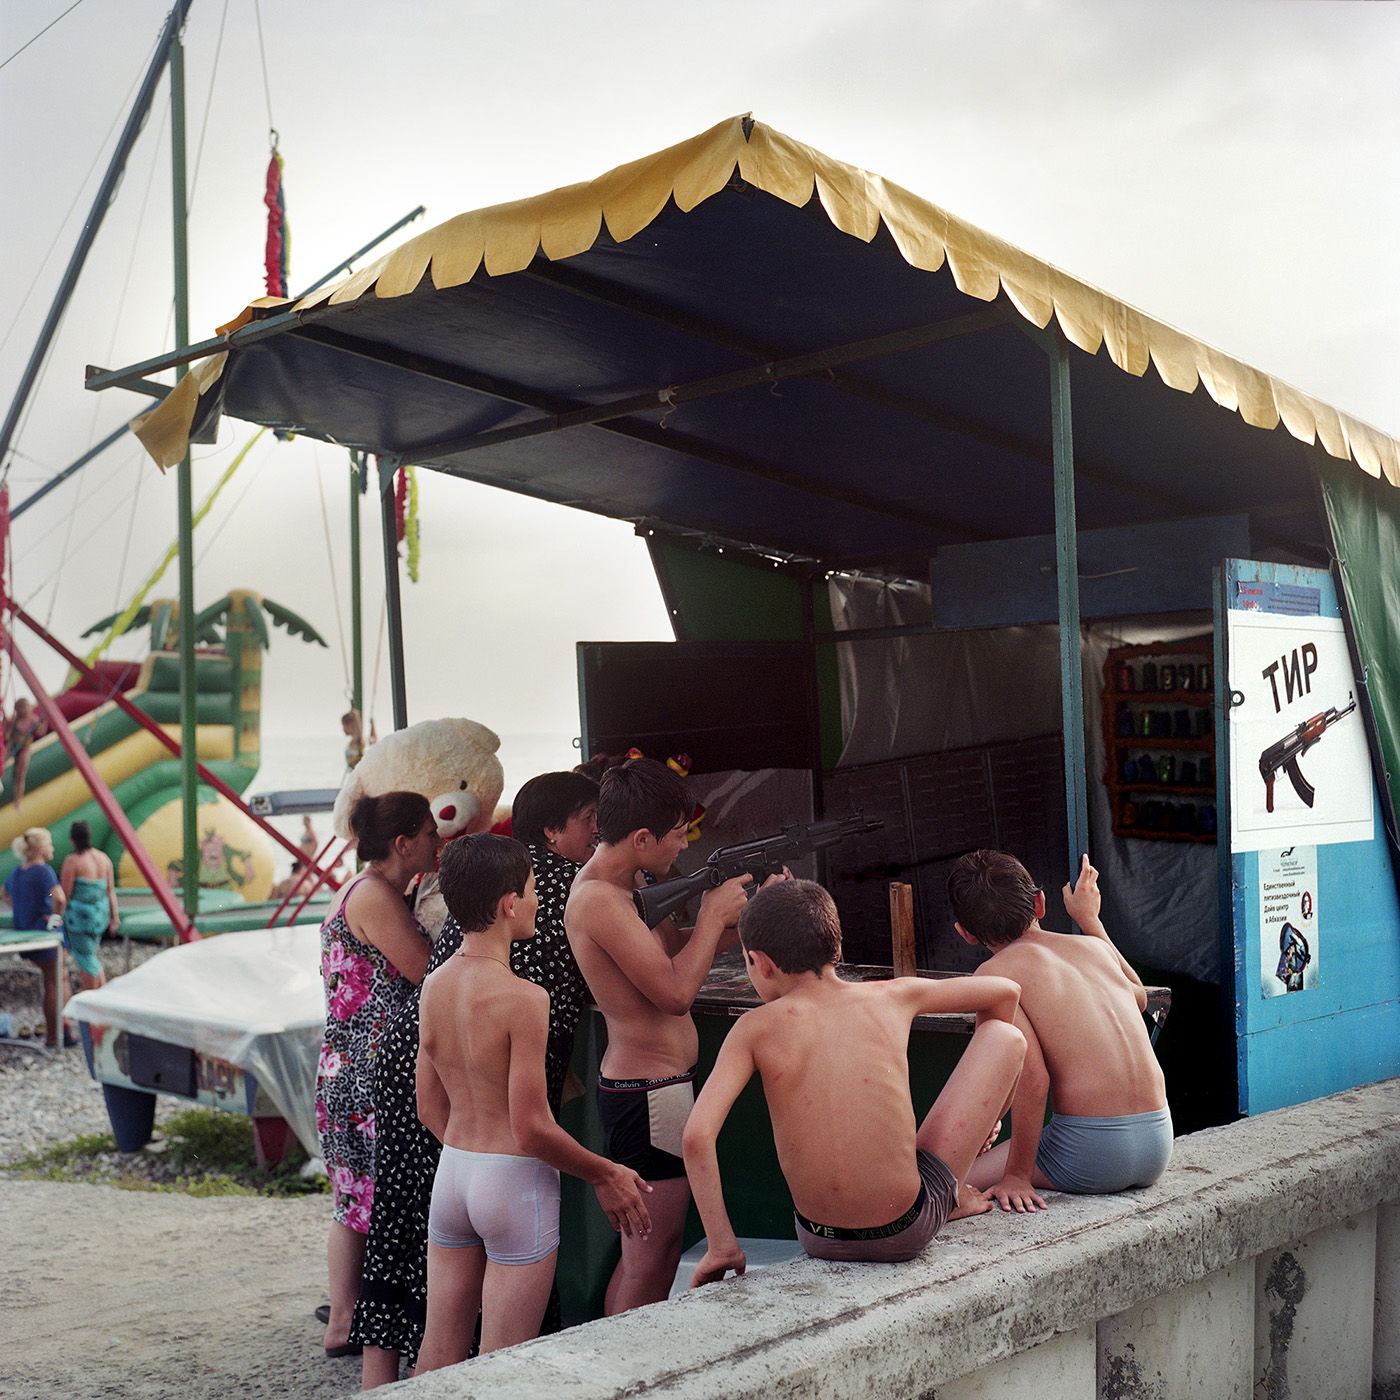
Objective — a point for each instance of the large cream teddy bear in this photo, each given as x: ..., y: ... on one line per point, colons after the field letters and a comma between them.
x: 453, y: 763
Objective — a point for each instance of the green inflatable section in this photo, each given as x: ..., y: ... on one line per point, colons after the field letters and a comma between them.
x: 216, y: 681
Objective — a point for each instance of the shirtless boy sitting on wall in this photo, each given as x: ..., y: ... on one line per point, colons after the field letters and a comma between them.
x: 644, y: 981
x: 834, y: 1059
x: 1086, y: 1044
x: 493, y: 1229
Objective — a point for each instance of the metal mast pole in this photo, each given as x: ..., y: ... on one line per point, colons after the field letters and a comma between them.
x: 357, y: 658
x: 389, y: 524
x: 1067, y: 578
x: 189, y: 696
x: 139, y: 112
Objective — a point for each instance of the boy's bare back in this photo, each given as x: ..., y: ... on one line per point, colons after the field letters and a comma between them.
x: 1086, y: 1012
x: 1084, y: 1005
x: 834, y: 1059
x: 478, y: 1025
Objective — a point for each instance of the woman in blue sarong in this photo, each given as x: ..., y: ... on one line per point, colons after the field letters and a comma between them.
x: 89, y: 883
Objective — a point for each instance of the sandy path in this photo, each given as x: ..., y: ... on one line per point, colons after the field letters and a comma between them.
x: 105, y: 1292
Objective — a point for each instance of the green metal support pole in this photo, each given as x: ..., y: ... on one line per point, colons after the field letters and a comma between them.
x: 387, y: 467
x: 189, y: 699
x: 1067, y: 578
x: 357, y: 655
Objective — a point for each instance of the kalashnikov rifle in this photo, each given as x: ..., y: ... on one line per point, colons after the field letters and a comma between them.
x: 1286, y: 753
x: 764, y: 856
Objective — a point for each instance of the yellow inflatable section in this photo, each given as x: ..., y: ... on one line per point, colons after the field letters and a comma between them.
x: 235, y: 853
x: 50, y: 804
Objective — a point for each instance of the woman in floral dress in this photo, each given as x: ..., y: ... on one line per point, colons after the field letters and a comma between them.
x: 373, y: 955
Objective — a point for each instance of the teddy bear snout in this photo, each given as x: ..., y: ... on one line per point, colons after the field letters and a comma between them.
x: 454, y: 811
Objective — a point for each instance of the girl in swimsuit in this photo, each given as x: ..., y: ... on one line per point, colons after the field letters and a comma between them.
x: 26, y: 726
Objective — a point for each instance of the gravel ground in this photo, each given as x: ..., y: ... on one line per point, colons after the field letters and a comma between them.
x: 137, y: 1294
x: 47, y: 1096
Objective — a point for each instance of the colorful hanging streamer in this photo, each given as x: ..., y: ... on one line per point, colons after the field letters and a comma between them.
x: 406, y: 517
x: 411, y: 524
x: 279, y: 236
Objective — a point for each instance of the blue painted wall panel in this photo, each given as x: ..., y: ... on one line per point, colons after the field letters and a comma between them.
x: 1344, y: 1031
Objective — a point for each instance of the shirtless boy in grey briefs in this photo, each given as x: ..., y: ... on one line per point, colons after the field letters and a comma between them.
x: 1087, y: 1046
x: 493, y: 1228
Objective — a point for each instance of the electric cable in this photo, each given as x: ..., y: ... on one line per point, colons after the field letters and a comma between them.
x: 78, y: 194
x: 330, y: 568
x: 237, y: 501
x: 208, y: 105
x: 262, y: 54
x: 41, y: 33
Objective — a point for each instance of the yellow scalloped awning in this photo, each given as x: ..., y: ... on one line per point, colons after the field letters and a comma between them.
x: 507, y: 237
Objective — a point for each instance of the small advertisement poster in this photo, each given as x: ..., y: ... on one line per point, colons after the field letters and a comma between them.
x: 1288, y: 920
x: 1300, y: 770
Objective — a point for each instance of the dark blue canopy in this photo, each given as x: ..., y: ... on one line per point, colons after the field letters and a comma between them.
x: 770, y: 368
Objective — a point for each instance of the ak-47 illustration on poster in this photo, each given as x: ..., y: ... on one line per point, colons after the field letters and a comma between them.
x: 1300, y: 772
x: 1289, y: 922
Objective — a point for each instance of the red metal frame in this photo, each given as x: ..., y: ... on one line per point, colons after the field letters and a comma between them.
x: 101, y: 792
x: 147, y: 723
x: 324, y: 876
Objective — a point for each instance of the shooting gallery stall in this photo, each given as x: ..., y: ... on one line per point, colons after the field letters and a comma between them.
x: 998, y: 547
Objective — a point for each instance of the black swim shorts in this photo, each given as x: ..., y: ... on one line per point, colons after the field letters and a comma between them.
x: 643, y: 1120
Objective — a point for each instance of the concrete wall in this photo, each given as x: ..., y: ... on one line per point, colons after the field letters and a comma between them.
x: 1263, y: 1263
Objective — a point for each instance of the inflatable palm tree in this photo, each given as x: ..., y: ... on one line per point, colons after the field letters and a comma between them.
x: 240, y: 611
x: 237, y: 623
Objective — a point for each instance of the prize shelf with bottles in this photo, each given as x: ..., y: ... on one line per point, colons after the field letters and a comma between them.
x: 1158, y: 718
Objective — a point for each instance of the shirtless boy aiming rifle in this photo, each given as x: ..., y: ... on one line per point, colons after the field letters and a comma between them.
x: 493, y: 1229
x: 644, y: 982
x: 866, y: 1183
x: 1087, y: 1047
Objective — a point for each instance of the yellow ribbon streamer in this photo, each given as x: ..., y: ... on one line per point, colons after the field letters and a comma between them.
x: 410, y: 524
x: 124, y: 620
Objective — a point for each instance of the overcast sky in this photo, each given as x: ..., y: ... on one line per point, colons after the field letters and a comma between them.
x: 1232, y: 168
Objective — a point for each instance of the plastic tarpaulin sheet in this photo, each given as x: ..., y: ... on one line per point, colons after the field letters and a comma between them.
x: 1364, y: 517
x: 931, y: 693
x: 255, y: 999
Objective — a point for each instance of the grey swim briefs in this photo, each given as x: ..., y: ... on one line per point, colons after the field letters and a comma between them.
x: 1097, y: 1156
x: 937, y: 1200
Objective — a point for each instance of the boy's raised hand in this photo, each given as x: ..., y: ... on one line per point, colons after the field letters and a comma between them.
x: 1082, y: 903
x: 718, y: 1262
x: 620, y: 1195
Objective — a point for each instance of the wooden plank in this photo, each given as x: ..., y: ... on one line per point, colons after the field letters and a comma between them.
x: 902, y: 929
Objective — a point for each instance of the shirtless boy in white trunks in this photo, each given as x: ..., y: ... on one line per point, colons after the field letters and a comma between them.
x: 866, y: 1183
x: 493, y: 1229
x: 1086, y: 1043
x: 644, y: 981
